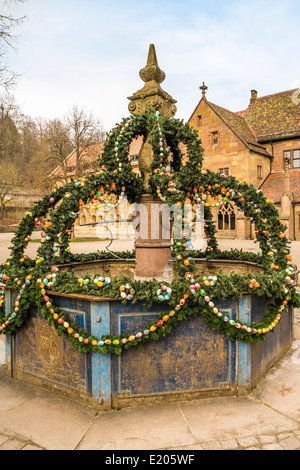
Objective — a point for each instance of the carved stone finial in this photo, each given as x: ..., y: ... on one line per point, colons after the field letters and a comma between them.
x: 151, y: 96
x: 152, y: 70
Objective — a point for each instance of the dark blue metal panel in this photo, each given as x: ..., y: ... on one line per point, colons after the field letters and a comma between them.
x: 39, y: 352
x: 101, y: 363
x: 191, y: 358
x: 266, y: 353
x: 77, y: 310
x: 244, y: 348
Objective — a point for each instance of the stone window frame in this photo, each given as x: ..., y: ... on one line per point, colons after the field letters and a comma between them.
x: 227, y: 217
x: 214, y: 138
x: 290, y: 154
x: 296, y: 159
x: 259, y: 171
x: 224, y: 171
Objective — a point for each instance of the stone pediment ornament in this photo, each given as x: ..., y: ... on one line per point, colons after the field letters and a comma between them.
x: 151, y: 96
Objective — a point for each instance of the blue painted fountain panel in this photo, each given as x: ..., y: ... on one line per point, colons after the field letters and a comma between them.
x: 276, y: 343
x: 39, y: 352
x: 190, y: 358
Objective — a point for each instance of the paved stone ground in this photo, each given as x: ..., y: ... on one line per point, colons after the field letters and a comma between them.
x: 283, y: 441
x: 39, y: 420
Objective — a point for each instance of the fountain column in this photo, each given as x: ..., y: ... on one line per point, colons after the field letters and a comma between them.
x: 153, y: 233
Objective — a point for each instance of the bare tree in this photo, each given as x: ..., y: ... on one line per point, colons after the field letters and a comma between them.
x: 8, y: 106
x: 9, y: 135
x: 9, y: 181
x: 7, y: 41
x: 85, y: 131
x: 60, y: 146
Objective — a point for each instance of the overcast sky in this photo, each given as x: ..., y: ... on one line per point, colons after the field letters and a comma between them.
x: 90, y: 52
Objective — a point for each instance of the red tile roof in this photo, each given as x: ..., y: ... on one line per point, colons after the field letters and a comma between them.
x: 274, y: 116
x: 239, y: 126
x: 91, y: 156
x: 273, y: 186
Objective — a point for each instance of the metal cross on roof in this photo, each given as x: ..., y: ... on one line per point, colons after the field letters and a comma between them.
x: 203, y: 88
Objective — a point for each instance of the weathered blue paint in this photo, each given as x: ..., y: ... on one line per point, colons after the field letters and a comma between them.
x: 8, y: 339
x: 192, y: 359
x: 244, y: 348
x: 266, y: 353
x: 79, y: 311
x: 101, y: 364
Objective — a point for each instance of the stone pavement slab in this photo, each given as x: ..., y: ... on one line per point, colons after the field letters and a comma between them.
x: 223, y: 419
x: 280, y: 389
x: 266, y: 419
x: 141, y: 428
x: 51, y: 421
x: 12, y: 394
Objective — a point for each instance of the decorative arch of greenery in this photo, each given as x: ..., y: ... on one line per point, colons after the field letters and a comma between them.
x: 175, y: 180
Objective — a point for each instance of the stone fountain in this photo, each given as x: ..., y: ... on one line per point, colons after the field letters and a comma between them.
x: 191, y: 362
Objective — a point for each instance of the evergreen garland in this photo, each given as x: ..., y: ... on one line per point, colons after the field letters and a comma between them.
x: 175, y: 182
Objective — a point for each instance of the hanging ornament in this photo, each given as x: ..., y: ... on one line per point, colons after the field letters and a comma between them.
x: 164, y: 293
x: 127, y: 292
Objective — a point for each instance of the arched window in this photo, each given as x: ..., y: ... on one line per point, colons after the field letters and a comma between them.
x: 226, y: 217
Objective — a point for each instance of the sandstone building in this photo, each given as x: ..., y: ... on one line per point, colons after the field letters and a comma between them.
x: 260, y: 145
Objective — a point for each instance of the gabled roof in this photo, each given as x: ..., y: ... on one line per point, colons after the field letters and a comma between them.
x: 239, y: 127
x: 274, y: 117
x: 273, y: 186
x: 268, y: 118
x: 90, y: 157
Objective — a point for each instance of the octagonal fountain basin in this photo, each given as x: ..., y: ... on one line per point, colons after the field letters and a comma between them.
x: 126, y: 267
x: 191, y: 362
